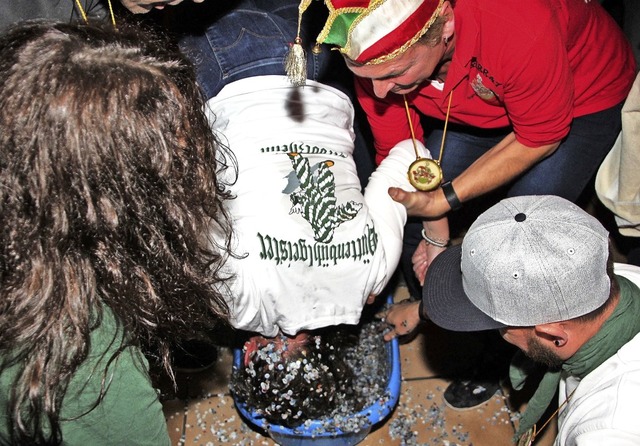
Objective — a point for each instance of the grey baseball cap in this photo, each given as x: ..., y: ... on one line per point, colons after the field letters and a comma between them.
x: 526, y: 261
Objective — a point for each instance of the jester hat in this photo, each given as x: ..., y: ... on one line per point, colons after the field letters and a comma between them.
x: 373, y: 31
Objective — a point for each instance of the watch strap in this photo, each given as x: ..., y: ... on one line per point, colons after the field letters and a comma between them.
x: 451, y: 196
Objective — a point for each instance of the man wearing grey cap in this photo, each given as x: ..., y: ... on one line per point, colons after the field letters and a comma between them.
x: 538, y: 269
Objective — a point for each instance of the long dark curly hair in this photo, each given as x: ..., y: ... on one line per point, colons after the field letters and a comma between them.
x: 107, y: 189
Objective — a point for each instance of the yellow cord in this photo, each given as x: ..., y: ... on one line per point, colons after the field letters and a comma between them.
x: 84, y: 14
x: 444, y: 131
x: 413, y: 135
x: 113, y: 16
x: 81, y: 9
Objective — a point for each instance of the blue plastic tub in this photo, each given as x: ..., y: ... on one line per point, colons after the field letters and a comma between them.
x: 308, y: 434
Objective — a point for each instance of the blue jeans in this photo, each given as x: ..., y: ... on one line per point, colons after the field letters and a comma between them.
x: 252, y: 39
x: 565, y: 173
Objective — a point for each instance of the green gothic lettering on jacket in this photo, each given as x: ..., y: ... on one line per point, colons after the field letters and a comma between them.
x: 360, y: 249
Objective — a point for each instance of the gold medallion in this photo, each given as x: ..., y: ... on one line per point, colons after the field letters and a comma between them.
x: 425, y: 174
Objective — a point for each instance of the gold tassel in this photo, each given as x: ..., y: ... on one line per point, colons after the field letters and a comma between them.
x: 295, y: 63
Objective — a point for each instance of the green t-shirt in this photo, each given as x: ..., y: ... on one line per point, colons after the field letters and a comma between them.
x: 130, y: 412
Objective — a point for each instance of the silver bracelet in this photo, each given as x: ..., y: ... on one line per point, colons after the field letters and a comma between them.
x: 438, y: 243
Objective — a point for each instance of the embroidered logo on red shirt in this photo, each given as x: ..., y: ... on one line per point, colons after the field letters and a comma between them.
x: 483, y: 76
x: 483, y: 92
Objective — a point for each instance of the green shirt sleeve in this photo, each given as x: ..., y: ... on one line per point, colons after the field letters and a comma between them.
x: 130, y: 412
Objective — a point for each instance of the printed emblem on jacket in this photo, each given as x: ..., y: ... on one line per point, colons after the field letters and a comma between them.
x: 313, y: 197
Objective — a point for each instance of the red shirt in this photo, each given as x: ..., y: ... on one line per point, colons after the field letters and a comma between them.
x: 533, y: 65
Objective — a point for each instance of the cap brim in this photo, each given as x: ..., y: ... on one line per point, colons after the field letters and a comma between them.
x: 444, y: 299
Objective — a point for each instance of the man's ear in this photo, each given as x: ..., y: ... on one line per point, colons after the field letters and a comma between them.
x: 449, y: 26
x: 554, y: 333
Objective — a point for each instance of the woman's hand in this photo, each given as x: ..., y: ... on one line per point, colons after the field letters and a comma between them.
x: 402, y: 318
x: 422, y: 258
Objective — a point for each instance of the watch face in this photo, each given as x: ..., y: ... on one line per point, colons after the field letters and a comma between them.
x: 425, y: 174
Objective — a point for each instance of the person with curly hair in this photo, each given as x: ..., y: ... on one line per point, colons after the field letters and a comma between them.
x: 108, y: 181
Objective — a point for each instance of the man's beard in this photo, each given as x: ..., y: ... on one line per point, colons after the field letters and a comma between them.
x: 543, y: 355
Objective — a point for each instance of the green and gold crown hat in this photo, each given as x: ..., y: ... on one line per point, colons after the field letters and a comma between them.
x: 373, y: 31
